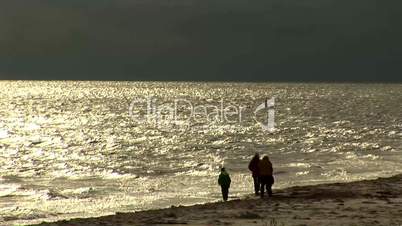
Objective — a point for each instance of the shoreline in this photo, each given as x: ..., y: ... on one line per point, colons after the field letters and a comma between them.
x: 366, y: 202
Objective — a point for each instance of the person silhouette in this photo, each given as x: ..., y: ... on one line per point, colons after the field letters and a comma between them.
x: 224, y: 181
x: 266, y: 176
x: 255, y: 172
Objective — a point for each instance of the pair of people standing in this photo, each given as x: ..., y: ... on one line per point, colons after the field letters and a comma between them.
x: 262, y: 173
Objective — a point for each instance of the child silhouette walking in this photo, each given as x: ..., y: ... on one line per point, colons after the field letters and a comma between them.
x: 224, y: 181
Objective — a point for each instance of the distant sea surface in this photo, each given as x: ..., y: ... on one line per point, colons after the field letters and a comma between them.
x: 82, y: 149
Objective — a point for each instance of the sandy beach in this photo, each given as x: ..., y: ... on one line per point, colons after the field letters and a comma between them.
x: 368, y: 202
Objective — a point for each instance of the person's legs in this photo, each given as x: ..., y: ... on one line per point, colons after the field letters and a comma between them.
x: 269, y: 189
x: 256, y: 185
x: 269, y: 185
x: 262, y: 190
x: 225, y: 193
x: 262, y: 183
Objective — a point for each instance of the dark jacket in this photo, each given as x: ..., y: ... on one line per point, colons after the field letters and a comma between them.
x: 253, y: 166
x: 265, y: 167
x: 224, y: 179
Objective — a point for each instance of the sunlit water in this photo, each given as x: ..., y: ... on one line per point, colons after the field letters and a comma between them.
x: 71, y: 149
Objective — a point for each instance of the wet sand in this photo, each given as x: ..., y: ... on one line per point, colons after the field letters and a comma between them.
x: 369, y: 202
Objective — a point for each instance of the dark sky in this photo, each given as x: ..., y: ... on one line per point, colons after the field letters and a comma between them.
x: 241, y: 40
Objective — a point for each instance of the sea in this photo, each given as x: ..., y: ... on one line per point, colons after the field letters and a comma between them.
x: 90, y: 148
